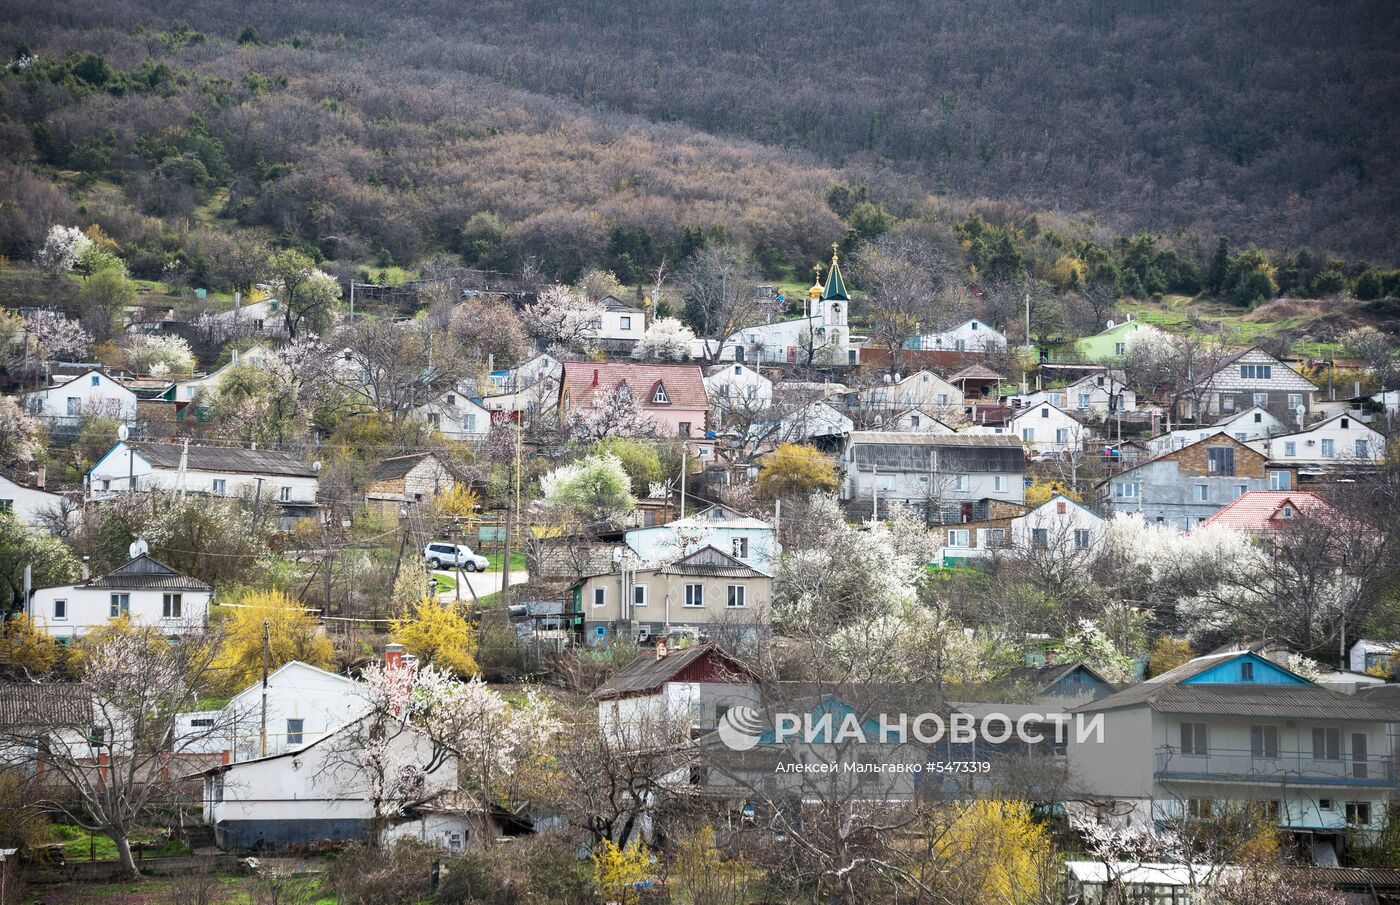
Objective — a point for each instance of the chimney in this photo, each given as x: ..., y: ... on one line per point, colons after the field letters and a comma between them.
x: 41, y: 476
x: 595, y: 377
x: 393, y: 656
x: 661, y: 650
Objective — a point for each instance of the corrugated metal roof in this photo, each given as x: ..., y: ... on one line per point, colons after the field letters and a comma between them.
x: 647, y: 673
x: 144, y: 572
x: 397, y: 467
x: 1304, y: 702
x: 54, y: 704
x: 712, y: 561
x: 219, y: 458
x: 922, y: 453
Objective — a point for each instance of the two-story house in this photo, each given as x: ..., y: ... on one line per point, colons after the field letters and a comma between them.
x: 1188, y: 485
x: 922, y: 389
x: 145, y: 591
x: 748, y: 539
x: 1340, y: 440
x: 1100, y: 394
x: 1043, y: 428
x: 619, y: 326
x: 1236, y: 729
x: 673, y: 397
x: 1245, y: 380
x: 707, y: 594
x: 949, y: 478
x: 271, y: 477
x: 738, y: 388
x: 1059, y: 526
x: 1252, y: 424
x: 91, y: 393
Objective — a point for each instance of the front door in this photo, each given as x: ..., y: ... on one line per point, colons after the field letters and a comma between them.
x: 1358, y: 755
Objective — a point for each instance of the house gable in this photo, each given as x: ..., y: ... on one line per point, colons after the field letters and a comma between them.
x: 1231, y: 672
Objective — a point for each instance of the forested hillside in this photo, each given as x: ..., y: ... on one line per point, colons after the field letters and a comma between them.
x: 1270, y: 122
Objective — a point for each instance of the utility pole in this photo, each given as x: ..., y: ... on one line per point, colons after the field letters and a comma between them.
x: 262, y: 731
x: 1028, y: 320
x: 685, y: 466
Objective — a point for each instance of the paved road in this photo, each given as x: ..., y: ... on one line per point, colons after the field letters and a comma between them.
x: 482, y: 582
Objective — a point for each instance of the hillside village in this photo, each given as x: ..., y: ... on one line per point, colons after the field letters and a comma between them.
x: 298, y: 577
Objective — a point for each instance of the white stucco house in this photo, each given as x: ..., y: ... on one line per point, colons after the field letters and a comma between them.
x: 1338, y: 440
x: 275, y: 478
x: 1043, y: 428
x: 752, y: 541
x: 148, y: 592
x: 923, y: 389
x: 1059, y: 526
x: 619, y: 322
x: 28, y: 503
x: 456, y: 416
x: 304, y: 704
x: 970, y: 336
x: 665, y: 691
x: 206, y: 385
x: 1099, y: 395
x: 738, y: 387
x: 916, y: 420
x: 1252, y: 424
x: 261, y: 318
x: 89, y: 394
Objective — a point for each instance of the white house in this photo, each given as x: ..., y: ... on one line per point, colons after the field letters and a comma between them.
x: 813, y: 420
x: 149, y: 593
x: 542, y: 367
x: 619, y: 322
x: 90, y: 393
x: 750, y: 540
x: 206, y: 385
x: 738, y: 387
x: 1251, y: 424
x: 264, y: 318
x: 672, y: 692
x: 320, y: 791
x: 304, y: 704
x: 1233, y: 728
x: 28, y: 503
x: 952, y: 478
x: 1367, y: 654
x: 916, y: 420
x: 1043, y: 428
x: 1098, y: 394
x: 821, y: 336
x: 969, y: 336
x: 922, y: 389
x: 1338, y: 440
x: 456, y: 416
x: 1059, y: 525
x: 273, y: 477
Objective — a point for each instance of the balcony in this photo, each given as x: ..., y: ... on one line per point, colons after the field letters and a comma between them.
x: 1298, y: 768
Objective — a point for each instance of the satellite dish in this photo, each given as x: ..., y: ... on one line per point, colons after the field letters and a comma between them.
x: 138, y: 547
x: 1301, y: 412
x: 316, y: 466
x: 123, y: 432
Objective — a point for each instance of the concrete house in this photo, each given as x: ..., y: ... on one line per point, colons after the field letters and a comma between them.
x: 1252, y: 424
x: 949, y: 478
x: 1115, y: 340
x: 407, y: 481
x: 917, y: 420
x: 750, y: 540
x: 90, y: 393
x: 273, y: 478
x: 738, y: 387
x: 1238, y: 728
x: 969, y: 336
x: 147, y: 592
x: 456, y: 416
x: 1059, y: 525
x: 27, y: 502
x: 204, y: 386
x: 1249, y: 379
x: 543, y: 367
x: 304, y: 705
x: 708, y: 593
x: 1186, y: 486
x: 922, y: 389
x: 1043, y: 428
x: 672, y: 396
x: 688, y: 689
x: 1340, y: 440
x: 1099, y: 395
x: 262, y: 318
x: 620, y: 325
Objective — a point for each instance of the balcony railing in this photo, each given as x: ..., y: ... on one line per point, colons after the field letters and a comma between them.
x: 1297, y: 767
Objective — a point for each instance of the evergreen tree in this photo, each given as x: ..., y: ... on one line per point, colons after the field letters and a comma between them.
x: 1219, y: 267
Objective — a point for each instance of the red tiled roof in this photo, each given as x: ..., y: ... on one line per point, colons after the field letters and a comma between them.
x: 1256, y: 510
x: 685, y: 384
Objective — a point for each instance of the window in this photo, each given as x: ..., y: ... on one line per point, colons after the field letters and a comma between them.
x: 1324, y: 804
x: 1346, y: 423
x: 1263, y: 741
x: 1120, y: 348
x: 1279, y: 480
x: 1040, y: 538
x: 1327, y: 744
x: 434, y: 420
x: 121, y: 605
x: 958, y: 537
x: 960, y: 482
x: 1200, y: 493
x: 171, y: 606
x: 1220, y: 460
x: 1193, y: 738
x: 999, y: 484
x: 1258, y: 417
x: 220, y: 486
x: 625, y: 322
x: 1081, y: 538
x: 1028, y: 434
x: 684, y: 429
x: 1257, y: 372
x: 95, y: 381
x: 1240, y: 490
x: 694, y: 595
x: 1294, y: 400
x: 1246, y: 672
x: 1359, y: 813
x: 600, y: 596
x: 218, y: 787
x: 60, y: 609
x: 1329, y: 448
x: 738, y: 597
x: 1045, y: 413
x: 913, y: 420
x: 1200, y: 808
x: 942, y: 398
x: 75, y: 405
x: 1227, y: 403
x: 1125, y: 489
x: 659, y: 397
x: 202, y: 723
x: 1083, y: 400
x: 469, y: 423
x: 294, y: 731
x: 1286, y: 512
x: 1261, y: 399
x: 739, y: 546
x: 639, y: 595
x: 996, y: 537
x: 1290, y: 448
x: 1361, y: 451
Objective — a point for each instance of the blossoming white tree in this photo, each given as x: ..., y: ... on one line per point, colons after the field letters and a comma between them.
x: 62, y: 248
x: 56, y: 337
x: 564, y: 319
x: 158, y: 356
x: 667, y: 339
x: 595, y: 487
x: 614, y: 414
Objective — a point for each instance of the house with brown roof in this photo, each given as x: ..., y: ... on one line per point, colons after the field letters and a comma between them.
x: 147, y: 592
x: 707, y: 594
x: 1247, y: 379
x: 978, y: 382
x: 406, y: 481
x: 674, y: 691
x: 1187, y: 486
x: 671, y: 396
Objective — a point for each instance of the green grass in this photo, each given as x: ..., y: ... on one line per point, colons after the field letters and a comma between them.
x: 517, y: 562
x: 445, y: 581
x: 82, y: 845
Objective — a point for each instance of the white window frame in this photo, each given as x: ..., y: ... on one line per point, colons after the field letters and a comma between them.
x: 695, y: 596
x: 1200, y: 493
x: 172, y: 606
x: 286, y: 493
x: 1290, y: 447
x: 296, y: 736
x: 1280, y: 480
x: 739, y: 547
x: 220, y: 486
x: 639, y: 595
x: 736, y: 597
x: 118, y: 604
x: 999, y: 484
x: 600, y: 597
x: 1328, y: 447
x: 624, y: 322
x: 60, y: 609
x: 960, y: 538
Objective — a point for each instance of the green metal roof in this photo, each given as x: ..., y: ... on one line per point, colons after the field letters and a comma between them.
x: 835, y: 286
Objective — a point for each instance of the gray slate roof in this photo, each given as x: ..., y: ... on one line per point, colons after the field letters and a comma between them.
x: 912, y: 452
x: 145, y: 573
x: 397, y: 467
x: 218, y: 458
x: 1305, y: 702
x: 24, y: 704
x: 647, y: 673
x: 713, y: 562
x: 1043, y: 677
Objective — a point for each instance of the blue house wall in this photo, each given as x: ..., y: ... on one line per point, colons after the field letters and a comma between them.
x: 1231, y: 673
